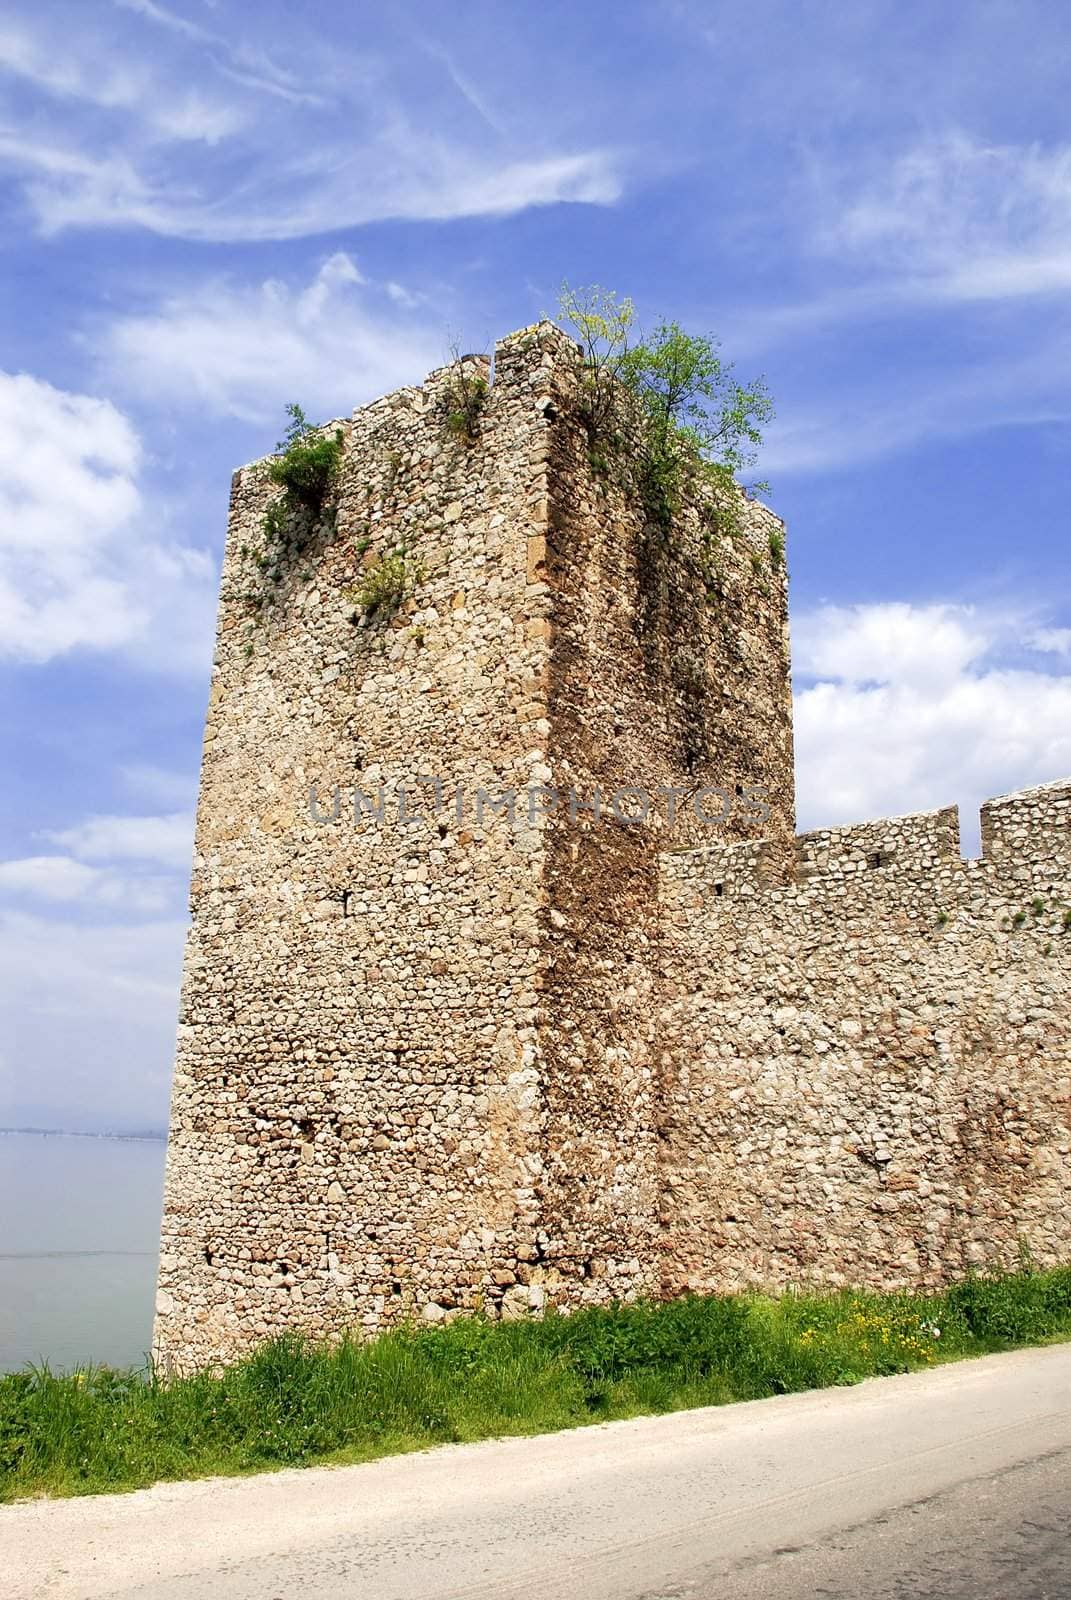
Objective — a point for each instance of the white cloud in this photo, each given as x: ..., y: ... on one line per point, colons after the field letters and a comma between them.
x: 466, y: 88
x: 890, y: 643
x: 915, y: 707
x: 59, y: 879
x: 167, y: 840
x: 77, y: 568
x: 68, y: 497
x: 402, y: 296
x: 90, y: 1015
x: 122, y: 866
x: 1053, y: 641
x: 245, y: 350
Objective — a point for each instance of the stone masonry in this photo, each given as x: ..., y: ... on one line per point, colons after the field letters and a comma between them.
x: 470, y: 1044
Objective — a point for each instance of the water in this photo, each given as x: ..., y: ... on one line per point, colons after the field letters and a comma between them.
x: 79, y: 1227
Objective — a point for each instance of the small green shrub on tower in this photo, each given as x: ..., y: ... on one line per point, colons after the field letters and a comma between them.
x: 306, y: 469
x: 702, y: 426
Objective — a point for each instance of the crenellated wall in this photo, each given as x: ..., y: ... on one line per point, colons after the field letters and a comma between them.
x: 868, y: 1057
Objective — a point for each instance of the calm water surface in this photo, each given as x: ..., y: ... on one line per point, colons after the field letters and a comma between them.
x: 79, y: 1226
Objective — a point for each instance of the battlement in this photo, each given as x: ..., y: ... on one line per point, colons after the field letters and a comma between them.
x: 1022, y: 833
x: 1029, y: 825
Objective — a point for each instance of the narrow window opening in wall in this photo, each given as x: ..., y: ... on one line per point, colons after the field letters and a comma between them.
x: 443, y: 830
x: 307, y: 1128
x: 739, y: 788
x: 396, y: 1286
x: 719, y: 889
x: 877, y: 858
x: 209, y: 1256
x: 347, y: 896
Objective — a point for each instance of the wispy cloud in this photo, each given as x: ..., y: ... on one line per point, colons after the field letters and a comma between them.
x: 955, y: 218
x: 167, y: 19
x: 872, y: 416
x: 340, y: 145
x: 253, y: 68
x: 413, y: 178
x: 90, y: 949
x: 472, y: 96
x: 94, y: 78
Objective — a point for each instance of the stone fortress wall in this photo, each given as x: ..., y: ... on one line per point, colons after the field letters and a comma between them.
x: 869, y: 1055
x: 447, y: 1058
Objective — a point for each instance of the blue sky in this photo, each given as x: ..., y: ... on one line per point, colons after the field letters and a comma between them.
x: 212, y: 208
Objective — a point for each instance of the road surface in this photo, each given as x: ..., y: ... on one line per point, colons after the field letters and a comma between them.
x: 953, y: 1484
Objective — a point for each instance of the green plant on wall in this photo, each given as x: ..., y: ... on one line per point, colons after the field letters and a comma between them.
x: 703, y: 426
x: 466, y: 397
x: 306, y: 464
x: 386, y: 583
x: 603, y: 326
x: 306, y: 468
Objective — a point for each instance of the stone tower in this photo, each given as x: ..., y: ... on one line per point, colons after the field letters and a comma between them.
x: 508, y: 982
x: 417, y: 1061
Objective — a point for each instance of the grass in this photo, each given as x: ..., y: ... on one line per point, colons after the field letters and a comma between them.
x: 293, y: 1402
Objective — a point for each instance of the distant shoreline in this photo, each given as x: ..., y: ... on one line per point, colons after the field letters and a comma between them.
x: 148, y: 1137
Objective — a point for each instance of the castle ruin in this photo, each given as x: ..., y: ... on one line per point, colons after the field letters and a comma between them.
x: 501, y: 989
